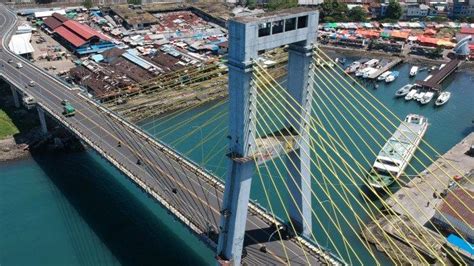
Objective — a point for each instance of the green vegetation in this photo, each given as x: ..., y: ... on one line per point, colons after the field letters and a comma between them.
x: 281, y: 4
x: 87, y: 4
x: 7, y: 128
x: 358, y: 14
x: 394, y: 10
x: 134, y: 2
x: 336, y: 11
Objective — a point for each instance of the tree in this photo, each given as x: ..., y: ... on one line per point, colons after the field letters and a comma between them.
x: 87, y: 4
x: 134, y: 2
x: 394, y: 10
x: 282, y: 4
x: 335, y: 10
x: 357, y: 14
x: 252, y: 4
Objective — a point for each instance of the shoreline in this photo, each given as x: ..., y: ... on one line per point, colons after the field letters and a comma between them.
x: 410, y: 59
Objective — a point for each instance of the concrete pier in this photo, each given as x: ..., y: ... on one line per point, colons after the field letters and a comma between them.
x: 386, y: 67
x: 433, y: 180
x: 44, y: 126
x: 16, y: 100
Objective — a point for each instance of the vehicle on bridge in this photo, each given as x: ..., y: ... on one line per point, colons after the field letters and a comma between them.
x: 19, y: 65
x: 68, y: 109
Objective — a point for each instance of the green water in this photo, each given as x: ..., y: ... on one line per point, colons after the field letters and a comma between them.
x: 76, y: 209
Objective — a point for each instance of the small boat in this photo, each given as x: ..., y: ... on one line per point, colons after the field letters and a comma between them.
x: 427, y: 97
x: 411, y: 94
x: 361, y: 72
x: 432, y: 68
x: 413, y: 71
x: 404, y: 90
x: 443, y: 98
x: 369, y: 72
x: 397, y: 152
x: 392, y: 77
x: 384, y: 75
x: 342, y: 61
x: 419, y: 96
x: 353, y: 67
x: 372, y: 63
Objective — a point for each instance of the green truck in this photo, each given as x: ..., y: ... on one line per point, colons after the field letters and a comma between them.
x: 68, y: 109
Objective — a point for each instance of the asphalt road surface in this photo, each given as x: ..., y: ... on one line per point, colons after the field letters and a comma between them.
x: 173, y: 181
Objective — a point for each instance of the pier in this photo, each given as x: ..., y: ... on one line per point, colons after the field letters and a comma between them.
x: 386, y: 67
x: 437, y: 179
x: 438, y: 76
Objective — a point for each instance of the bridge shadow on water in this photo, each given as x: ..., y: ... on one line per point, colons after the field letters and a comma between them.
x: 114, y: 212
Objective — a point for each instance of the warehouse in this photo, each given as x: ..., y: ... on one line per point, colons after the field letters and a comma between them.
x: 79, y: 38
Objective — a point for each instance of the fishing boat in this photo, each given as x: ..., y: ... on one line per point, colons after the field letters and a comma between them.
x: 395, y: 155
x: 391, y: 77
x: 413, y: 71
x: 427, y: 97
x: 353, y: 67
x: 404, y: 90
x: 419, y: 96
x: 443, y: 98
x: 411, y: 94
x: 384, y: 75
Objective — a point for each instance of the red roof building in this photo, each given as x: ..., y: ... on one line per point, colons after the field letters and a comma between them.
x: 467, y: 31
x: 73, y: 32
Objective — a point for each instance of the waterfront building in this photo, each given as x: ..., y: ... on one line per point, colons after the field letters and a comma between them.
x: 454, y: 213
x: 462, y: 8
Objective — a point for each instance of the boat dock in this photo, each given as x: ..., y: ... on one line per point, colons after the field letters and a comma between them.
x: 417, y: 199
x: 386, y: 67
x: 433, y: 180
x: 438, y: 76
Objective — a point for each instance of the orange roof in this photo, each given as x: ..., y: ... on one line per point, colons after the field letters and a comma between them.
x: 400, y: 34
x: 427, y: 40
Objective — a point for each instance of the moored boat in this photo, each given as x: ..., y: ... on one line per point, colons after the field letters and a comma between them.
x: 370, y: 71
x: 427, y: 97
x: 404, y: 90
x: 395, y: 155
x: 353, y: 67
x: 419, y: 96
x: 411, y: 94
x: 443, y: 98
x: 413, y: 71
x: 391, y: 77
x: 384, y: 75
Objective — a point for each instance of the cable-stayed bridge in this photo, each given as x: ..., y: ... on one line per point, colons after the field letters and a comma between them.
x: 278, y: 134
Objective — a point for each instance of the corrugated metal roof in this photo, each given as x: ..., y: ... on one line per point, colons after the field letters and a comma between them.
x: 70, y: 36
x: 59, y: 17
x: 52, y: 23
x: 20, y: 44
x: 81, y: 30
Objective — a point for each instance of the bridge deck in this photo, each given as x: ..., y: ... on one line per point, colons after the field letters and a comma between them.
x: 162, y: 172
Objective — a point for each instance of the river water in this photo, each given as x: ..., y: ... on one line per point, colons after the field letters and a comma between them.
x: 76, y: 209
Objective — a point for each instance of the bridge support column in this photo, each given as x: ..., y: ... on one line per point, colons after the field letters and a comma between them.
x: 16, y: 100
x: 42, y: 118
x: 242, y: 103
x: 299, y: 115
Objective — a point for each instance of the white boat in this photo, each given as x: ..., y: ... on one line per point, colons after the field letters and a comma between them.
x: 369, y: 72
x: 413, y: 71
x: 361, y: 72
x: 404, y: 90
x: 371, y: 63
x: 419, y: 96
x: 353, y: 67
x: 384, y: 75
x: 391, y: 77
x: 443, y: 98
x: 395, y: 155
x: 411, y: 94
x: 427, y: 97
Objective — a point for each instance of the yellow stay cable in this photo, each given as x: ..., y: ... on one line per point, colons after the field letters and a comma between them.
x: 364, y: 209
